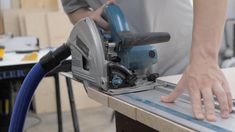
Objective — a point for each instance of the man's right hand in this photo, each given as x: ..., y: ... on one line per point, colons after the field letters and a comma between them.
x: 95, y: 15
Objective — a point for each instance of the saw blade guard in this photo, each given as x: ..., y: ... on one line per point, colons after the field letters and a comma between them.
x: 88, y: 54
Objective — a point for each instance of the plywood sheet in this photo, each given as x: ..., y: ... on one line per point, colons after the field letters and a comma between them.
x: 98, y: 96
x: 81, y: 99
x: 59, y: 28
x: 40, y: 4
x: 36, y: 25
x: 22, y: 24
x: 1, y: 25
x: 15, y: 4
x: 122, y: 107
x: 159, y: 123
x: 229, y: 74
x: 60, y: 6
x: 45, y: 100
x: 10, y: 21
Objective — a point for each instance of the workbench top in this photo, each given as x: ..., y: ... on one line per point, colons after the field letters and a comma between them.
x: 147, y: 108
x: 228, y: 72
x: 13, y: 58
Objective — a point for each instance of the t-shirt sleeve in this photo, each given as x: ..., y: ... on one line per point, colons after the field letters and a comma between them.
x: 73, y: 5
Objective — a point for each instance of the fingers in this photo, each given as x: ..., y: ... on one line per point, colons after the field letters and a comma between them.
x: 111, y: 1
x: 209, y: 104
x: 114, y: 1
x: 97, y: 17
x: 104, y: 24
x: 196, y: 103
x: 222, y: 99
x: 227, y: 91
x: 174, y: 94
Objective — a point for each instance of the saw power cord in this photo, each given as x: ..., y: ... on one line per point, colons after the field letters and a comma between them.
x: 39, y: 70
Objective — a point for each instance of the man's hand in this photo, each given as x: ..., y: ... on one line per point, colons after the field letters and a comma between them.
x: 203, y: 77
x: 95, y: 15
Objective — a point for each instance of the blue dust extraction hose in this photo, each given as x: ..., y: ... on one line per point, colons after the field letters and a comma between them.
x: 24, y: 97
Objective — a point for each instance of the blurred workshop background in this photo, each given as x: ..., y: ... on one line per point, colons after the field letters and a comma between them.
x: 42, y: 24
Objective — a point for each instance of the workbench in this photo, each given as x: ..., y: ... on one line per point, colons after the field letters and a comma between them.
x: 12, y: 72
x: 143, y: 111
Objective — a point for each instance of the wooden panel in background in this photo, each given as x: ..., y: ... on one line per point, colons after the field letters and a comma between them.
x: 45, y: 100
x: 59, y: 28
x: 11, y: 23
x: 60, y: 6
x: 40, y: 4
x: 15, y: 4
x: 81, y: 99
x: 36, y: 25
x: 22, y: 24
x: 1, y: 25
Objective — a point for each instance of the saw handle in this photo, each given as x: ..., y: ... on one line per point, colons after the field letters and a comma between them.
x: 121, y: 34
x: 129, y: 39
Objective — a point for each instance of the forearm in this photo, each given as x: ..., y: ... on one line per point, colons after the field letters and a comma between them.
x: 79, y: 14
x: 209, y: 18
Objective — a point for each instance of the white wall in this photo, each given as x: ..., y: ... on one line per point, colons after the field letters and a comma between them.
x: 5, y: 4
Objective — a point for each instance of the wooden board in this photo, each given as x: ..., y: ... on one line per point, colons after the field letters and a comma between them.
x: 22, y: 24
x: 52, y: 28
x: 45, y: 100
x: 60, y: 6
x: 1, y: 25
x: 36, y: 25
x: 10, y: 21
x: 81, y: 99
x: 98, y: 96
x: 15, y: 4
x: 159, y: 123
x: 59, y: 28
x: 229, y: 74
x: 122, y: 107
x: 51, y: 5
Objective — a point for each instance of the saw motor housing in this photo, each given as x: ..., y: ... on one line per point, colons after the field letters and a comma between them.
x: 111, y: 59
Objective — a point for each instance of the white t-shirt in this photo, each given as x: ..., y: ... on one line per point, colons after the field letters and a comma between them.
x: 173, y: 16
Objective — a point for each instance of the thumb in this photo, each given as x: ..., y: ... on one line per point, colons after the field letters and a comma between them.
x: 112, y: 1
x: 175, y: 93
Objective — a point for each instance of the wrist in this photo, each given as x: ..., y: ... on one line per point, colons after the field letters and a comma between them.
x: 205, y: 46
x: 201, y: 55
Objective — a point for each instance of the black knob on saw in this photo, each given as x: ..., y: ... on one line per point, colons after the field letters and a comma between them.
x: 129, y: 39
x: 153, y: 77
